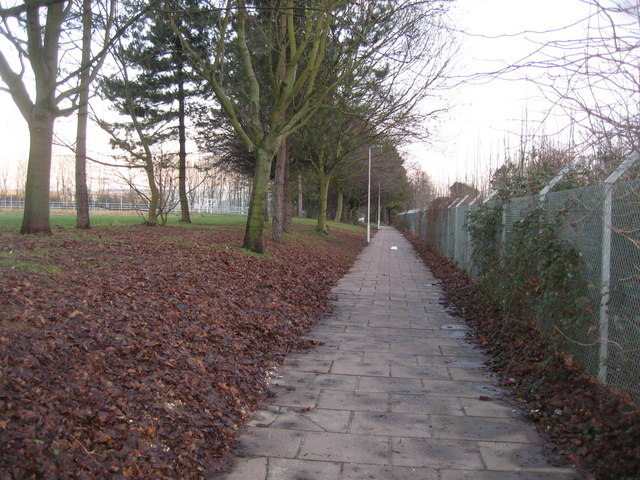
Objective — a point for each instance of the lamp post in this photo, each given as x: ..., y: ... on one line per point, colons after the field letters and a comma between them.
x: 369, y: 196
x: 378, y: 205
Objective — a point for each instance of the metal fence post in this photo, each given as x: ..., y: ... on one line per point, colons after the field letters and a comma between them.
x: 605, y: 268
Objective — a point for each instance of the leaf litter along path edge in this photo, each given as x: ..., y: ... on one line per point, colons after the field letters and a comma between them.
x: 137, y: 353
x: 586, y: 423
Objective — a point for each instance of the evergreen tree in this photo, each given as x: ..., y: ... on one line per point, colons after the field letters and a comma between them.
x: 161, y: 88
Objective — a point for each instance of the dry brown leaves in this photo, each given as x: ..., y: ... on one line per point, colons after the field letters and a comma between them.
x: 137, y: 353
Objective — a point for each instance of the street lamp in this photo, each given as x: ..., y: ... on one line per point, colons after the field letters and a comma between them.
x: 369, y: 195
x: 378, y: 205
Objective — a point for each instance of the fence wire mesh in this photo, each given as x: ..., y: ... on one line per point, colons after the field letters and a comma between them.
x: 608, y: 345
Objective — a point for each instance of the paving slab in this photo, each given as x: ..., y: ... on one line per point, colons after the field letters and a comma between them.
x: 393, y: 392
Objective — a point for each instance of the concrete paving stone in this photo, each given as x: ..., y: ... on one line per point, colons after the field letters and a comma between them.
x: 328, y: 327
x: 453, y: 334
x: 363, y: 300
x: 313, y: 420
x: 416, y: 347
x: 314, y: 365
x: 347, y: 319
x: 454, y: 362
x: 371, y: 345
x: 346, y: 303
x: 331, y: 355
x: 412, y: 312
x: 473, y: 374
x: 394, y: 424
x: 338, y: 447
x: 387, y: 321
x: 294, y: 397
x: 394, y: 358
x: 270, y: 442
x: 434, y: 372
x: 345, y: 383
x: 375, y: 472
x: 482, y: 428
x: 494, y: 475
x: 492, y: 407
x: 386, y: 331
x: 263, y: 416
x: 337, y: 400
x: 385, y: 300
x: 516, y: 456
x: 254, y: 468
x: 356, y: 365
x: 398, y: 295
x: 292, y: 469
x: 461, y: 351
x: 425, y: 404
x: 292, y: 378
x: 459, y: 389
x: 390, y: 385
x: 435, y: 453
x: 375, y: 311
x: 424, y: 360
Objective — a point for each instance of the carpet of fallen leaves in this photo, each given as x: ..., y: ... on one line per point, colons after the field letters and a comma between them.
x: 588, y: 425
x: 137, y: 353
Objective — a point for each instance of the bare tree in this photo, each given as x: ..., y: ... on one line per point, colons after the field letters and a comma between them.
x: 422, y: 188
x: 20, y: 179
x: 591, y: 74
x: 45, y: 83
x: 4, y: 180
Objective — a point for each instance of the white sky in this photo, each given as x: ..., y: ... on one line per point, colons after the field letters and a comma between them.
x: 484, y: 116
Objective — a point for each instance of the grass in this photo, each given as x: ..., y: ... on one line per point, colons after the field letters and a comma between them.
x: 12, y: 220
x: 254, y: 254
x: 9, y: 260
x: 348, y: 227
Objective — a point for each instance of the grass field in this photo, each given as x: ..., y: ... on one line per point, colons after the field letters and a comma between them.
x: 10, y: 220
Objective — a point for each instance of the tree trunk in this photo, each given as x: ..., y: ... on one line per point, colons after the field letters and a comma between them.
x: 287, y: 224
x: 82, y: 195
x: 340, y: 207
x: 182, y: 156
x: 322, y: 201
x: 36, y: 202
x: 152, y: 217
x: 258, y: 201
x: 277, y: 232
x: 300, y: 206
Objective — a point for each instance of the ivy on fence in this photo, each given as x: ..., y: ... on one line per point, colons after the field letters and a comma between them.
x: 533, y: 274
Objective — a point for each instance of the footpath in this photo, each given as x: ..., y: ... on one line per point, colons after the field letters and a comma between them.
x: 395, y: 392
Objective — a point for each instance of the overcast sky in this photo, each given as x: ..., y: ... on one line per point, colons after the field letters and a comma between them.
x: 487, y: 114
x: 484, y: 115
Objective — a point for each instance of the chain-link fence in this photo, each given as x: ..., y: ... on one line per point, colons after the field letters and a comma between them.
x: 602, y: 223
x: 205, y: 206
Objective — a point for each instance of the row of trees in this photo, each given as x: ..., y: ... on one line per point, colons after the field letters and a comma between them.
x: 306, y: 86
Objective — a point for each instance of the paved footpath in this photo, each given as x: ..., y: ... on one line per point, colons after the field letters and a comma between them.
x: 394, y: 393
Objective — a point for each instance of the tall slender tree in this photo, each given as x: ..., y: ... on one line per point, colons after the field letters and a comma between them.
x: 83, y: 220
